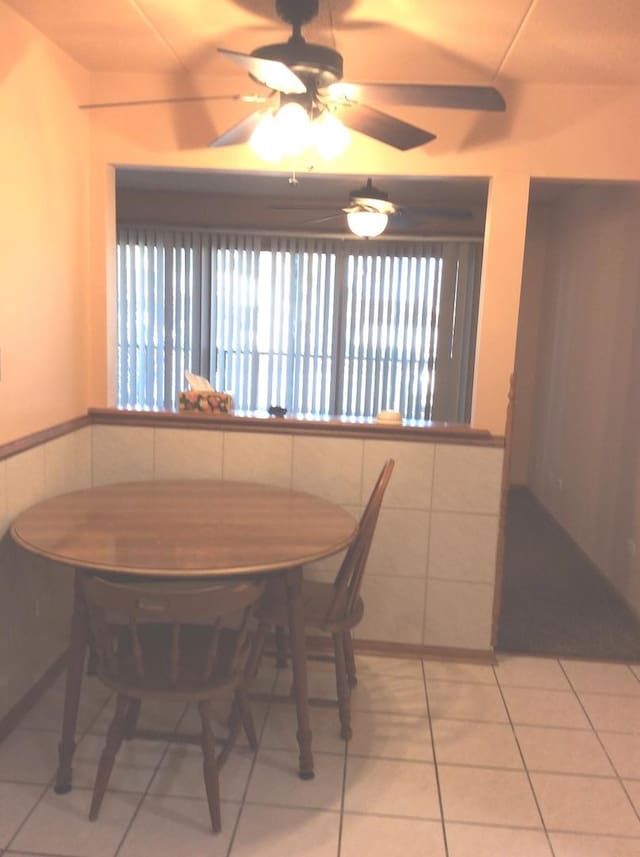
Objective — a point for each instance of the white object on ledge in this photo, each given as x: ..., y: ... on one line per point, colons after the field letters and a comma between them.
x: 389, y: 417
x: 197, y: 383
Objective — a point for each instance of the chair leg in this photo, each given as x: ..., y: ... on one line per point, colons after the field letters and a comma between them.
x: 281, y: 648
x: 342, y: 687
x: 131, y: 723
x: 255, y: 655
x: 349, y: 658
x: 115, y: 734
x: 210, y: 767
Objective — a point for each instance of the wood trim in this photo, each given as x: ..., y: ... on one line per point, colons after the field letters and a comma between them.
x: 15, y: 714
x: 413, y: 651
x: 426, y: 433
x: 43, y: 436
x: 502, y: 522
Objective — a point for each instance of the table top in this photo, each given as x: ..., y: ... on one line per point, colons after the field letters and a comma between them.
x: 185, y: 527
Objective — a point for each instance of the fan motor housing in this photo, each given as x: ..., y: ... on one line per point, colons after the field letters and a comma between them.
x: 307, y: 60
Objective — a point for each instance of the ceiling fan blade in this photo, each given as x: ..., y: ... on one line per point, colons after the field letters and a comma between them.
x: 394, y: 132
x: 239, y: 133
x: 274, y: 74
x: 324, y: 219
x: 420, y: 95
x: 249, y: 99
x: 310, y: 207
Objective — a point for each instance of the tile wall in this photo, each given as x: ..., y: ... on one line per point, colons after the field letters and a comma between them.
x: 430, y: 578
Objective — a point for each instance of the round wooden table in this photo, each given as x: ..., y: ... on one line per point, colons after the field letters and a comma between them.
x: 184, y: 528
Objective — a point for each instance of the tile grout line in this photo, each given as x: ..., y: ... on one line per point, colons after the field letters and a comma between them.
x: 435, y: 764
x: 524, y: 764
x: 597, y: 735
x: 243, y: 802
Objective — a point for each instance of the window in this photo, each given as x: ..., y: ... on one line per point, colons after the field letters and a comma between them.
x: 316, y: 325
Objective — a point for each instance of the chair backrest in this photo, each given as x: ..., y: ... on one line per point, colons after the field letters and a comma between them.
x: 349, y: 578
x: 124, y: 617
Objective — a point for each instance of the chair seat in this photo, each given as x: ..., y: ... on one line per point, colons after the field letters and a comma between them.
x: 317, y: 597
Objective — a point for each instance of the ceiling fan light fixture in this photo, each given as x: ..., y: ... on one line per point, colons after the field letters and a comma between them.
x: 330, y: 137
x: 367, y: 224
x: 265, y: 141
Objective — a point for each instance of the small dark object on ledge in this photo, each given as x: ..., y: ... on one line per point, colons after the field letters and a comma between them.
x: 277, y: 411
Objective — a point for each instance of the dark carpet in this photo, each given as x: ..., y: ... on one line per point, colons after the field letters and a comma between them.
x: 554, y: 601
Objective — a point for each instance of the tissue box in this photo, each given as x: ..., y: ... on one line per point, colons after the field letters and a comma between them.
x: 206, y: 403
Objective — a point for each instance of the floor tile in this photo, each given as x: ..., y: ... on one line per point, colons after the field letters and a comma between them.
x: 579, y: 845
x: 612, y: 713
x: 163, y: 716
x: 465, y: 742
x: 601, y: 678
x: 180, y: 774
x: 584, y: 805
x: 624, y: 752
x: 47, y: 712
x: 282, y: 724
x: 398, y: 667
x: 17, y: 801
x: 633, y: 790
x: 454, y: 671
x: 190, y: 722
x: 391, y: 736
x: 391, y: 787
x: 60, y: 825
x: 29, y: 756
x: 521, y: 671
x: 544, y: 708
x: 378, y: 836
x: 473, y: 840
x: 265, y: 833
x: 569, y: 751
x: 275, y: 780
x: 170, y: 826
x: 486, y: 796
x: 460, y: 701
x: 134, y: 767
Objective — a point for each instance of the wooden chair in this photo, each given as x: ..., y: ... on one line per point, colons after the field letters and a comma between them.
x: 329, y: 608
x: 167, y: 642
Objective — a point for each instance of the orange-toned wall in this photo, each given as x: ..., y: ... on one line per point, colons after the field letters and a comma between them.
x: 44, y: 198
x: 547, y: 132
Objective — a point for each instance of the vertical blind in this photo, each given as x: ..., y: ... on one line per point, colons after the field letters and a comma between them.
x: 316, y: 325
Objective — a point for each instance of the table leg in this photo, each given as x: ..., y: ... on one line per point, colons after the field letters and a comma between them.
x: 293, y: 579
x: 75, y: 668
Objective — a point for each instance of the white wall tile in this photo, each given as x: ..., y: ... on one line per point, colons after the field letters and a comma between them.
x: 188, y: 454
x: 122, y: 454
x: 255, y: 457
x: 25, y: 480
x: 463, y: 546
x: 400, y: 544
x: 410, y: 484
x: 458, y: 614
x: 67, y: 462
x: 329, y: 467
x: 393, y: 609
x: 467, y: 478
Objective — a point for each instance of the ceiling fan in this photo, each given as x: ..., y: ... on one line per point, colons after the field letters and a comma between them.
x: 310, y: 75
x: 370, y: 209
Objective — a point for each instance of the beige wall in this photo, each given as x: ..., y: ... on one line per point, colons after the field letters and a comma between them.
x: 584, y: 430
x: 44, y: 159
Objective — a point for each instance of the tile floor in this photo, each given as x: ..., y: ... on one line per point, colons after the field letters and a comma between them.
x: 533, y: 758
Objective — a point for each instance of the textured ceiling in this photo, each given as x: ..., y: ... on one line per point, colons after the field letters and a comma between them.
x: 431, y: 41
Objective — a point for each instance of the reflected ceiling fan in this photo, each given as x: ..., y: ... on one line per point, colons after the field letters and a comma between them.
x: 306, y: 79
x: 370, y: 209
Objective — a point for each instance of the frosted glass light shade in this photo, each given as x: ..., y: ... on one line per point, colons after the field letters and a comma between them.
x: 367, y: 224
x: 330, y: 136
x: 265, y: 140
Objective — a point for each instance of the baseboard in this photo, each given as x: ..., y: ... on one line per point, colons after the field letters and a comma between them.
x: 407, y: 650
x: 15, y: 714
